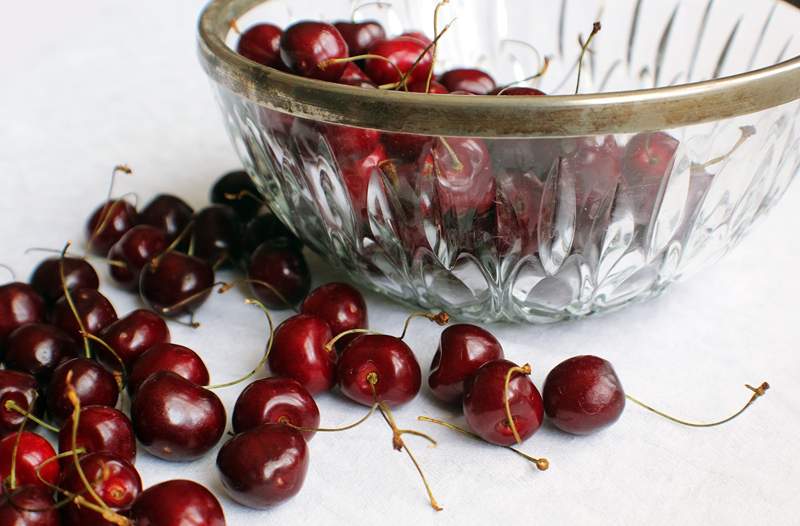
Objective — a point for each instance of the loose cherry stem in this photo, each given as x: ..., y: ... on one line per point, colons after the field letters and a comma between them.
x: 11, y: 405
x: 584, y: 47
x: 525, y: 369
x: 441, y: 318
x: 330, y: 343
x: 285, y: 421
x: 228, y: 286
x: 435, y: 47
x: 108, y: 207
x: 68, y: 296
x: 757, y: 393
x: 541, y: 463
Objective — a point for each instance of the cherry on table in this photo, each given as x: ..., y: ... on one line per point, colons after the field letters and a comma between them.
x: 20, y: 304
x: 267, y: 227
x: 217, y: 235
x: 313, y: 50
x: 108, y: 223
x: 37, y: 349
x: 468, y: 79
x: 134, y: 250
x: 283, y: 268
x: 95, y: 312
x: 400, y: 54
x: 28, y: 506
x: 275, y: 400
x: 93, y: 384
x: 131, y: 336
x: 21, y: 390
x: 360, y: 36
x: 261, y: 43
x: 177, y: 284
x: 33, y: 450
x: 100, y: 429
x: 299, y: 352
x: 341, y: 306
x: 168, y: 213
x: 167, y: 357
x: 78, y: 274
x: 238, y: 191
x: 177, y: 503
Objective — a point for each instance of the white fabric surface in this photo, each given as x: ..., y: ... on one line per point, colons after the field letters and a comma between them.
x: 89, y: 84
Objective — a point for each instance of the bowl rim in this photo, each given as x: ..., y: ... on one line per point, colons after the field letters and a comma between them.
x: 469, y: 116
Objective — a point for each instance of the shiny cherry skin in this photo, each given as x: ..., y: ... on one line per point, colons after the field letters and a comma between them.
x: 422, y: 86
x: 419, y: 36
x: 135, y: 249
x: 583, y: 394
x: 261, y: 43
x: 217, y: 235
x: 647, y: 160
x: 37, y: 349
x: 108, y: 223
x: 403, y: 52
x: 167, y: 357
x: 112, y: 478
x: 100, y: 429
x: 398, y: 372
x: 360, y: 36
x: 267, y: 227
x: 355, y: 76
x: 273, y: 401
x: 93, y: 384
x: 33, y: 450
x: 177, y: 503
x: 29, y: 506
x: 23, y: 390
x: 298, y: 352
x: 175, y: 419
x: 467, y: 79
x: 168, y: 213
x: 357, y: 173
x: 517, y: 91
x: 307, y: 47
x: 341, y: 306
x: 78, y: 274
x: 282, y: 267
x: 264, y: 466
x: 177, y: 278
x: 463, y: 348
x: 95, y: 311
x: 405, y: 146
x: 348, y: 143
x: 131, y: 336
x: 484, y: 405
x: 233, y: 184
x: 20, y: 304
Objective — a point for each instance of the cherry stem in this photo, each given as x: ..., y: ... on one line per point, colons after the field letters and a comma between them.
x: 535, y: 76
x: 457, y: 164
x: 746, y: 133
x: 325, y: 63
x: 435, y: 47
x: 228, y: 286
x: 12, y: 483
x: 367, y: 4
x: 263, y: 359
x: 11, y: 405
x: 124, y: 381
x: 108, y: 206
x: 584, y: 46
x: 404, y: 77
x: 175, y: 242
x: 235, y: 27
x: 112, y: 262
x: 285, y: 421
x: 68, y: 297
x: 757, y: 393
x: 243, y: 194
x: 330, y: 343
x: 525, y: 369
x: 10, y: 271
x: 541, y: 463
x: 441, y: 318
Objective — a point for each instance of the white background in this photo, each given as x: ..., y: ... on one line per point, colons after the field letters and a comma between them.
x: 89, y: 84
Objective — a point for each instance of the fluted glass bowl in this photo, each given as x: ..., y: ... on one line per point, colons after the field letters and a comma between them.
x: 526, y: 208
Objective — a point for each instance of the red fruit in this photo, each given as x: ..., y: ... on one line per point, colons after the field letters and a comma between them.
x: 93, y: 384
x: 177, y: 503
x: 422, y: 86
x: 131, y: 336
x: 273, y: 401
x: 261, y: 43
x: 37, y: 349
x: 401, y: 53
x: 135, y: 249
x: 341, y: 306
x: 517, y: 91
x: 167, y: 357
x: 405, y: 145
x: 20, y: 389
x: 177, y: 279
x: 298, y: 352
x: 94, y: 309
x: 28, y: 506
x: 217, y: 235
x: 100, y: 429
x: 168, y: 213
x: 355, y: 76
x: 283, y: 268
x: 419, y: 36
x: 78, y: 274
x: 19, y: 305
x: 267, y: 227
x: 108, y: 223
x: 308, y: 48
x: 348, y: 143
x: 236, y: 184
x: 33, y: 450
x: 360, y: 36
x: 471, y: 80
x: 519, y: 198
x: 357, y: 174
x: 648, y: 158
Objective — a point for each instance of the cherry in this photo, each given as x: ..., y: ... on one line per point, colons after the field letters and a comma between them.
x: 471, y: 80
x: 435, y: 88
x: 94, y: 310
x: 647, y: 159
x: 260, y: 43
x: 463, y: 348
x: 131, y: 336
x: 405, y: 146
x: 400, y: 54
x: 167, y: 357
x: 341, y: 306
x: 108, y: 223
x: 485, y: 397
x: 418, y: 36
x: 267, y: 227
x: 519, y: 200
x: 177, y: 503
x: 583, y: 394
x: 517, y: 91
x: 112, y: 478
x: 100, y: 429
x: 238, y: 191
x: 37, y: 349
x: 135, y: 249
x: 595, y: 169
x: 168, y: 213
x: 360, y: 36
x: 19, y: 305
x: 349, y: 143
x: 273, y: 401
x: 264, y: 466
x: 299, y: 352
x: 377, y: 367
x: 93, y: 384
x: 28, y: 506
x: 178, y: 283
x: 78, y: 274
x: 355, y: 76
x: 357, y: 173
x: 176, y: 419
x: 284, y: 269
x: 32, y: 451
x: 311, y: 48
x: 216, y: 235
x: 21, y: 391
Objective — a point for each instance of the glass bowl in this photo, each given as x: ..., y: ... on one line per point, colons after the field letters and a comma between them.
x: 529, y: 209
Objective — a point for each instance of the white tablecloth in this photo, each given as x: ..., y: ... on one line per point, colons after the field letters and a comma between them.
x: 91, y: 83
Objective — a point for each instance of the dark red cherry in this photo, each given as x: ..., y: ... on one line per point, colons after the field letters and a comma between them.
x: 33, y: 450
x: 167, y: 357
x: 78, y: 274
x: 419, y: 36
x: 176, y: 419
x: 217, y: 235
x: 422, y: 86
x: 647, y: 159
x: 177, y: 503
x: 467, y: 79
x: 360, y: 36
x: 168, y: 213
x: 519, y: 200
x: 108, y: 223
x: 131, y: 336
x: 19, y: 304
x: 100, y: 429
x: 308, y: 47
x: 401, y: 53
x: 267, y: 227
x: 355, y: 76
x: 261, y: 43
x: 273, y: 401
x: 95, y: 311
x: 348, y: 143
x: 583, y: 394
x: 135, y: 249
x: 284, y: 269
x: 93, y: 384
x: 517, y: 91
x: 391, y: 362
x: 298, y: 352
x: 484, y: 403
x: 177, y: 279
x: 28, y: 506
x: 595, y: 168
x: 405, y: 146
x: 463, y: 348
x: 37, y: 349
x: 357, y: 173
x: 112, y: 478
x: 22, y: 390
x: 341, y: 306
x: 264, y: 466
x: 233, y: 184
